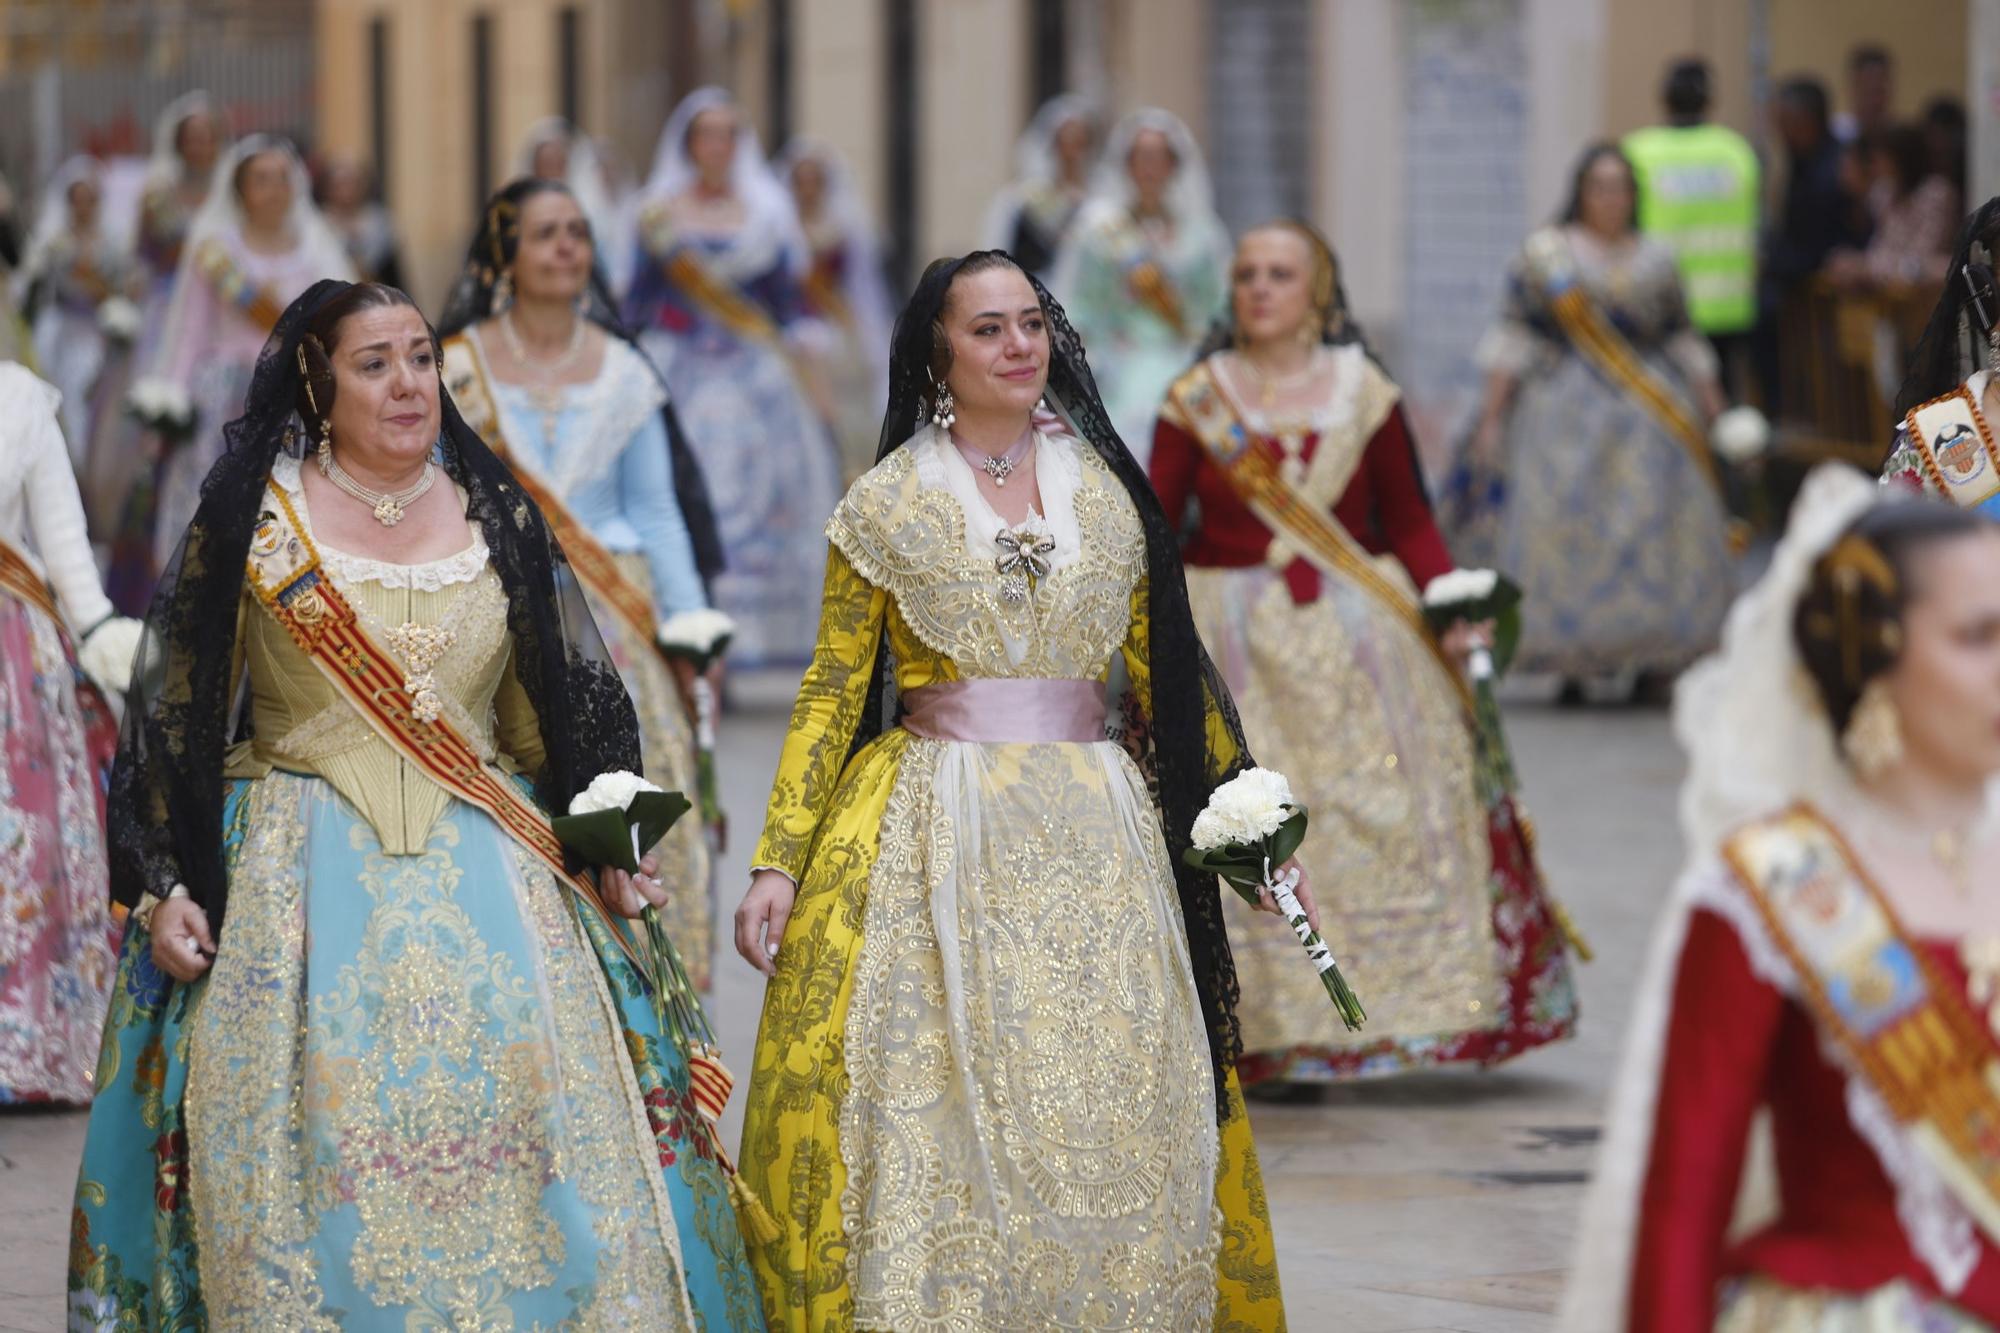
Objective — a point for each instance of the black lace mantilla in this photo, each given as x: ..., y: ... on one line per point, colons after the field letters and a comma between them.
x: 1180, y: 772
x: 167, y: 787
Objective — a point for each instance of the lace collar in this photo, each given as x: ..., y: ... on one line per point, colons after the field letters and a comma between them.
x: 426, y: 576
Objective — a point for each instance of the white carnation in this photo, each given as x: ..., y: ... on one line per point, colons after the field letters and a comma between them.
x: 107, y: 652
x: 1461, y: 586
x: 160, y: 401
x: 1246, y: 809
x: 119, y: 319
x: 1740, y: 434
x: 609, y: 791
x: 696, y: 631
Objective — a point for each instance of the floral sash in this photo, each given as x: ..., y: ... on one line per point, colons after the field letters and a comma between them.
x: 1954, y: 446
x: 1310, y: 530
x: 285, y: 573
x: 1149, y: 283
x: 235, y: 287
x: 19, y: 580
x: 1898, y: 1021
x: 596, y: 567
x: 1597, y: 340
x: 823, y: 294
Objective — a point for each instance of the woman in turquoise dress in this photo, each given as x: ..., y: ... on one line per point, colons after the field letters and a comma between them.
x: 538, y: 364
x: 716, y: 302
x: 378, y: 1055
x: 1143, y: 272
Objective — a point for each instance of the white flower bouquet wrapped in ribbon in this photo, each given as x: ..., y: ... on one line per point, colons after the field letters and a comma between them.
x: 161, y: 406
x: 701, y: 638
x: 1251, y: 826
x: 119, y: 320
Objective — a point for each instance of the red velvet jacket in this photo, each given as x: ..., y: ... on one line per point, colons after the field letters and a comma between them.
x: 1384, y: 507
x: 1735, y: 1044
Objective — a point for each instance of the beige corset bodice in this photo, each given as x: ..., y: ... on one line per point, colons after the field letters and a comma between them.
x: 446, y: 616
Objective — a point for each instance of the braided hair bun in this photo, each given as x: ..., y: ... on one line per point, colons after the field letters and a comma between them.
x: 1849, y: 624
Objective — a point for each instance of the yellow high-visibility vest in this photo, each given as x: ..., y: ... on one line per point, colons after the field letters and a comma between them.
x: 1698, y: 196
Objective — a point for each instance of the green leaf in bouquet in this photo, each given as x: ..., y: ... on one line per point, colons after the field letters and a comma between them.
x: 1291, y: 836
x: 600, y: 838
x: 655, y: 812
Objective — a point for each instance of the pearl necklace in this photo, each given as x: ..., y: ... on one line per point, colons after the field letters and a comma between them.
x: 997, y: 466
x: 547, y: 396
x: 388, y: 505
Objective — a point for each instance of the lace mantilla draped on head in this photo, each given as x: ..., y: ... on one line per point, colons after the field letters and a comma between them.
x: 167, y: 786
x: 1185, y: 684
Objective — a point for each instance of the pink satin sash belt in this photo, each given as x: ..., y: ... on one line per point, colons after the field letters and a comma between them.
x: 1005, y: 711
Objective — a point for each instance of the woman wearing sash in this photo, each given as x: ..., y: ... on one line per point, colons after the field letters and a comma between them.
x: 1946, y: 443
x: 555, y: 150
x: 1598, y: 391
x: 58, y: 942
x: 72, y: 266
x: 1303, y: 570
x: 537, y: 365
x: 256, y: 244
x: 715, y: 297
x: 1143, y: 270
x: 377, y: 1057
x: 845, y: 347
x: 1031, y: 217
x: 188, y: 136
x: 994, y: 1086
x: 1830, y: 964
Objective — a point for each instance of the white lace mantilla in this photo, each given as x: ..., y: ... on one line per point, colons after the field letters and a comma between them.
x: 425, y: 576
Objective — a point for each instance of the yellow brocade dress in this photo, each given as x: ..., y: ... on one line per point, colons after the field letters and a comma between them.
x: 982, y: 1095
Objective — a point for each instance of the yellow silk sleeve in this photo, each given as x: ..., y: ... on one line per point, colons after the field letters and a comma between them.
x: 1224, y: 755
x: 517, y: 732
x: 824, y: 719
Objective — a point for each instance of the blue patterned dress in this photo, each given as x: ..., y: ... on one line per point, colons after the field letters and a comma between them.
x: 772, y: 468
x: 417, y: 1089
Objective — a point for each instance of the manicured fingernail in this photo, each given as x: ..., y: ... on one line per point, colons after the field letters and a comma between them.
x: 770, y: 951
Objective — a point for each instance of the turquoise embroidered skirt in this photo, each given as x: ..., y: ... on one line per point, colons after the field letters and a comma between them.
x: 413, y: 1092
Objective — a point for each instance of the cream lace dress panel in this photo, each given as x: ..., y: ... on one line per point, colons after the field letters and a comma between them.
x: 1029, y: 1130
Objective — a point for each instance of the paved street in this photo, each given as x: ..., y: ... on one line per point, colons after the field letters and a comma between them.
x: 1441, y: 1202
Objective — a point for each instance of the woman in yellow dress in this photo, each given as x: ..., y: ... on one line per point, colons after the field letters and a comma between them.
x: 994, y: 1086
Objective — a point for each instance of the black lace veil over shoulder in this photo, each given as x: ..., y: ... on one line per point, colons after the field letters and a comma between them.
x: 1183, y: 678
x: 167, y: 788
x: 477, y: 295
x: 1955, y: 340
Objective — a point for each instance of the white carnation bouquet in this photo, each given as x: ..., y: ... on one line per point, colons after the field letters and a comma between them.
x: 1250, y: 826
x: 119, y: 320
x: 701, y: 638
x: 161, y: 406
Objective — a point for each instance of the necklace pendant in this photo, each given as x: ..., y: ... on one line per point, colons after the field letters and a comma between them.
x: 388, y: 513
x: 999, y: 469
